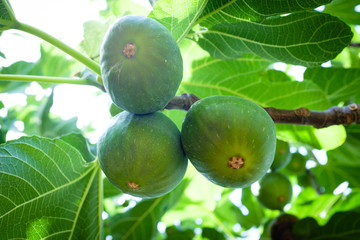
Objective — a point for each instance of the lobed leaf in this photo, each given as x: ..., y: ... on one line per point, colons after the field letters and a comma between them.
x: 342, y: 225
x: 345, y: 10
x: 7, y: 16
x: 141, y: 221
x: 304, y: 38
x: 343, y: 164
x: 48, y: 191
x: 229, y: 11
x: 339, y: 84
x: 178, y: 16
x: 94, y: 32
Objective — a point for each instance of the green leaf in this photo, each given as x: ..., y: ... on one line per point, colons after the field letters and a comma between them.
x: 256, y: 212
x: 141, y: 221
x: 342, y: 225
x: 226, y: 211
x: 123, y: 7
x: 179, y: 16
x: 345, y: 10
x: 94, y: 32
x: 109, y: 189
x: 2, y: 55
x: 339, y: 84
x: 54, y: 62
x: 177, y: 233
x: 7, y: 16
x: 343, y: 163
x: 79, y: 142
x: 324, y: 138
x: 228, y: 11
x: 20, y: 67
x: 48, y: 190
x: 212, y: 234
x: 309, y: 204
x: 304, y: 38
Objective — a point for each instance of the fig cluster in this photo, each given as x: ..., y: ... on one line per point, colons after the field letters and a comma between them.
x: 141, y: 66
x: 229, y: 140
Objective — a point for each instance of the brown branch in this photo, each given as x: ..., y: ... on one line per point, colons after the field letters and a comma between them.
x: 182, y: 102
x: 302, y: 116
x: 354, y: 44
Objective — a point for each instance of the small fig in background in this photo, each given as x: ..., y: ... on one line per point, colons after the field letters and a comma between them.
x: 282, y: 155
x: 297, y: 164
x: 275, y: 191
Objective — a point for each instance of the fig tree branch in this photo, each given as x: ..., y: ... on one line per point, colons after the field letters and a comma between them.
x: 302, y: 116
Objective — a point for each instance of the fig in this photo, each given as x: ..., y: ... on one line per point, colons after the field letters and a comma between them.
x: 281, y: 227
x: 282, y: 155
x: 297, y: 164
x: 141, y: 64
x: 142, y: 155
x: 230, y: 140
x: 275, y: 190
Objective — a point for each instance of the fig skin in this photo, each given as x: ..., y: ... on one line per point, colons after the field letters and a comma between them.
x: 282, y: 155
x: 297, y: 164
x: 141, y: 64
x: 230, y: 140
x: 275, y: 191
x: 142, y: 154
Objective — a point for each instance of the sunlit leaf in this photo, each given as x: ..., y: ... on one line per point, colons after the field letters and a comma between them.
x: 94, y: 32
x: 124, y: 7
x: 345, y: 10
x: 339, y: 84
x: 343, y: 163
x: 255, y: 214
x: 47, y: 190
x: 309, y: 204
x: 179, y: 16
x: 7, y: 16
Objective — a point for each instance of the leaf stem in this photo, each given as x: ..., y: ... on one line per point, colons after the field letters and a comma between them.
x: 62, y: 46
x: 43, y: 79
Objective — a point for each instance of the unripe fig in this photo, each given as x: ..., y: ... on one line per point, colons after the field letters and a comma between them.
x: 275, y: 190
x: 281, y: 227
x: 230, y: 140
x: 282, y: 155
x: 141, y: 64
x: 142, y: 154
x: 297, y: 164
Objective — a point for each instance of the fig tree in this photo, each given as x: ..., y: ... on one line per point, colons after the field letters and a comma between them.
x: 282, y: 155
x: 230, y: 140
x: 141, y: 64
x: 275, y: 190
x: 142, y: 154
